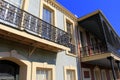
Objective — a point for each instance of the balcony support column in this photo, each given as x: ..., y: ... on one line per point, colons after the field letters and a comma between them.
x: 111, y: 59
x: 118, y: 65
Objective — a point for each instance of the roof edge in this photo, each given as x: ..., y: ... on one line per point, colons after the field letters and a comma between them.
x: 89, y: 15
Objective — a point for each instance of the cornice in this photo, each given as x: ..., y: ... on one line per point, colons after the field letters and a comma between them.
x: 61, y: 8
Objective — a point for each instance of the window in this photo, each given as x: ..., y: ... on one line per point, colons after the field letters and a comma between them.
x: 103, y: 73
x: 43, y: 71
x: 69, y: 27
x: 16, y: 3
x: 46, y: 28
x: 47, y: 15
x: 44, y: 74
x: 86, y: 74
x: 70, y: 74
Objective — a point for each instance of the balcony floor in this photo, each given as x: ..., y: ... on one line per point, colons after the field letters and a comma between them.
x: 99, y: 59
x: 20, y: 36
x: 99, y: 56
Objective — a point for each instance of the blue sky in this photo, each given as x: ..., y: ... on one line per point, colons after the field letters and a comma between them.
x: 110, y: 8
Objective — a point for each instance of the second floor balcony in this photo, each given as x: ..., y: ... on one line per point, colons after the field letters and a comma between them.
x: 97, y: 49
x: 21, y: 26
x: 98, y: 38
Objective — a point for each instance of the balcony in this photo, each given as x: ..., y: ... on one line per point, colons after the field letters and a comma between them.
x: 93, y: 50
x: 98, y: 51
x: 23, y: 27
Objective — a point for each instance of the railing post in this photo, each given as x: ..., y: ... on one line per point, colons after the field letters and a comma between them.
x: 112, y: 66
x: 22, y: 21
x: 118, y: 65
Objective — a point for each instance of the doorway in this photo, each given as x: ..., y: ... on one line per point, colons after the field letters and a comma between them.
x: 9, y: 70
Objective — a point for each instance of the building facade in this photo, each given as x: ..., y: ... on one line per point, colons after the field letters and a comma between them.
x: 36, y: 41
x: 41, y: 40
x: 98, y: 46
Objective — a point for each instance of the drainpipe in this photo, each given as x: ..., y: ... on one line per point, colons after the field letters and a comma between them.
x: 112, y: 67
x: 78, y: 55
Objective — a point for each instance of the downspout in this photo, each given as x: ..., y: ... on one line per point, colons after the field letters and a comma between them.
x: 78, y: 55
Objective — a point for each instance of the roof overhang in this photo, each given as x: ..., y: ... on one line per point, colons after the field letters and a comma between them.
x: 92, y: 23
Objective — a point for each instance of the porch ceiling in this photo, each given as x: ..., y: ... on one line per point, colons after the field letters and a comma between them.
x: 93, y: 25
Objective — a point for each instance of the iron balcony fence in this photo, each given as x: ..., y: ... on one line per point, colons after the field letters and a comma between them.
x: 93, y: 50
x: 96, y: 49
x: 20, y: 19
x: 72, y: 48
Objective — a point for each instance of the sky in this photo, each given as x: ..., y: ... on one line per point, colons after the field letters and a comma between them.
x: 110, y: 8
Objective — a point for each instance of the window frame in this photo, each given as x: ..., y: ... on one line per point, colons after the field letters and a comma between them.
x: 51, y: 16
x: 15, y: 4
x: 86, y: 69
x: 51, y: 8
x: 73, y: 41
x: 71, y: 27
x: 72, y: 69
x: 44, y: 71
x: 36, y: 66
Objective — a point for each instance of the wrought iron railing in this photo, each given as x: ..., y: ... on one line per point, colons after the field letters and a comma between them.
x: 93, y: 49
x: 98, y: 49
x: 20, y: 19
x: 72, y: 48
x: 113, y: 49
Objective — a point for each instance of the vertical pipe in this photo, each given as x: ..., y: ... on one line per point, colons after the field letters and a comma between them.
x: 112, y: 66
x: 79, y: 54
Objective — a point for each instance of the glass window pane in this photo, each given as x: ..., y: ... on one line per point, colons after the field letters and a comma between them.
x: 44, y: 74
x: 70, y: 75
x: 16, y: 3
x: 69, y: 27
x: 47, y: 15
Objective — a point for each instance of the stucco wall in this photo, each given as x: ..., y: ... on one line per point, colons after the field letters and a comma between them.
x: 34, y: 7
x: 60, y: 19
x: 61, y: 61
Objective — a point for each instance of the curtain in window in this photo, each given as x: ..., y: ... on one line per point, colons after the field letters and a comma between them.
x: 70, y: 75
x: 44, y: 75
